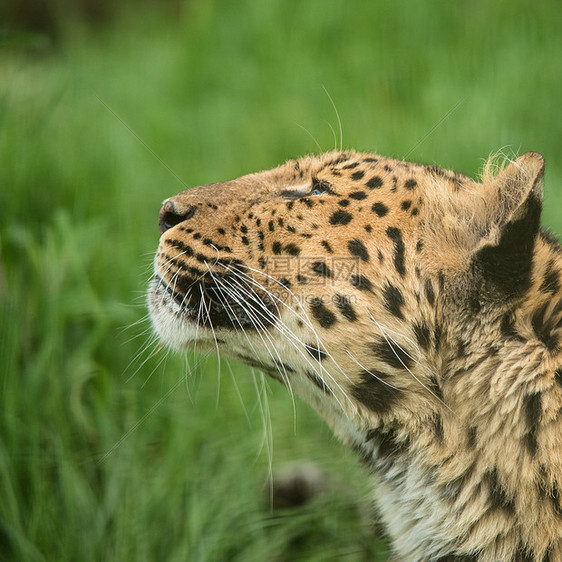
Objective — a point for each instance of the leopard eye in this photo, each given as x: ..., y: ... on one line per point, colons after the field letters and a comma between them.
x: 320, y: 186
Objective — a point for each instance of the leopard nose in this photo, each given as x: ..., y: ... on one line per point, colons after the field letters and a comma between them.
x: 173, y: 213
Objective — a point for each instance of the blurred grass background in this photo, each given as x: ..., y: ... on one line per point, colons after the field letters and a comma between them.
x: 108, y: 451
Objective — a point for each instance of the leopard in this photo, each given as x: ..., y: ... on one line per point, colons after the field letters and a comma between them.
x: 417, y: 309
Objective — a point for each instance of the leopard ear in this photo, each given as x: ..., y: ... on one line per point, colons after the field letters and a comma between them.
x: 504, y: 255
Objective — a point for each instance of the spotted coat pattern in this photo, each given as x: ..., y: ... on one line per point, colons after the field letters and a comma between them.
x: 418, y: 310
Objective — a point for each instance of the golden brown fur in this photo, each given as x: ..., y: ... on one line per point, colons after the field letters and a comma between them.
x: 419, y: 311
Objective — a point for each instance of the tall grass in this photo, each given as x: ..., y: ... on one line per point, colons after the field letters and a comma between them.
x: 110, y: 451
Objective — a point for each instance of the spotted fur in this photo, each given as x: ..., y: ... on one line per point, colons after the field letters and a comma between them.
x: 419, y: 311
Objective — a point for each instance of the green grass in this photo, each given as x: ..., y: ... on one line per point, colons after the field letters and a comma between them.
x: 109, y: 452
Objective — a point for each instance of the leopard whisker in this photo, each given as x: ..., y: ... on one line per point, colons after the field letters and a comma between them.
x: 409, y: 340
x: 238, y: 393
x: 388, y: 341
x: 151, y: 343
x: 257, y: 324
x: 371, y: 373
x: 305, y: 319
x: 287, y: 332
x: 214, y: 338
x: 318, y: 342
x: 267, y: 439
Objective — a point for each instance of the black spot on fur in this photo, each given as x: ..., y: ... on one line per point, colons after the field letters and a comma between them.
x: 375, y: 392
x: 268, y: 369
x: 410, y: 184
x: 357, y: 249
x: 327, y: 246
x: 357, y: 175
x: 461, y: 348
x: 498, y: 498
x: 533, y: 411
x: 421, y: 331
x: 472, y: 437
x: 292, y: 249
x: 393, y: 300
x: 405, y: 205
x: 392, y: 354
x: 344, y: 203
x: 437, y: 335
x: 325, y: 317
x: 380, y: 209
x: 358, y: 195
x: 315, y: 379
x: 320, y: 268
x: 507, y: 266
x: 181, y: 246
x: 276, y: 248
x: 438, y: 428
x: 344, y: 306
x: 340, y: 217
x: 283, y: 367
x: 360, y: 282
x: 396, y: 236
x: 374, y: 182
x: 389, y: 446
x: 351, y: 166
x: 316, y: 352
x: 429, y: 292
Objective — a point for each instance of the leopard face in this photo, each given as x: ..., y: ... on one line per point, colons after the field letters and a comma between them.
x: 389, y: 295
x: 307, y: 271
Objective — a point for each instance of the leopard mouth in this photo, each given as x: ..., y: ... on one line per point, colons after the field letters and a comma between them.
x: 214, y: 302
